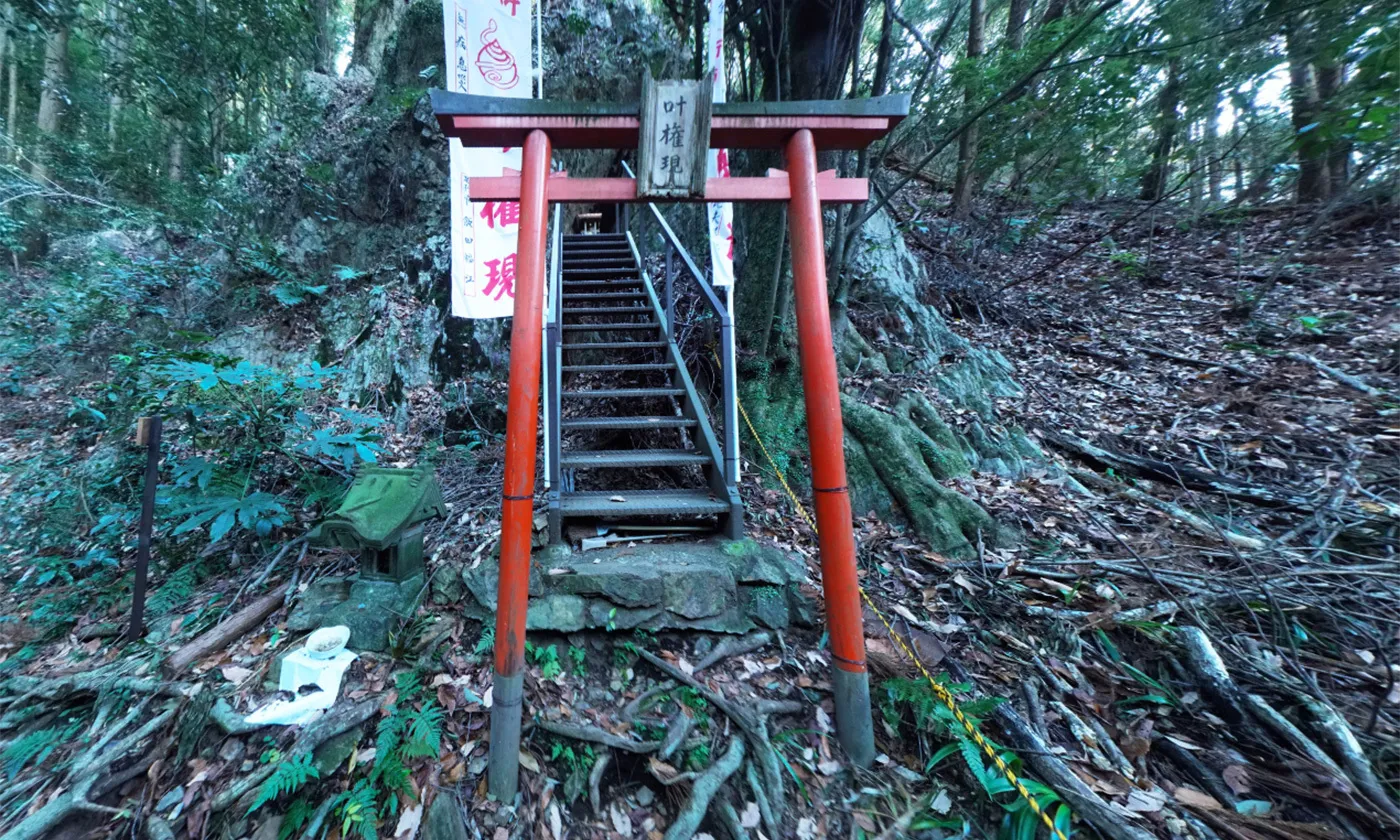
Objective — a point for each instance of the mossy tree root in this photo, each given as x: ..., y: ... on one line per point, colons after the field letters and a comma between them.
x: 910, y: 450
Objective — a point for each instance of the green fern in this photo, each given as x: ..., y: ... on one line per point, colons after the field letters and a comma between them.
x: 424, y: 732
x: 289, y: 776
x: 34, y: 746
x: 298, y: 815
x: 176, y: 591
x: 357, y: 811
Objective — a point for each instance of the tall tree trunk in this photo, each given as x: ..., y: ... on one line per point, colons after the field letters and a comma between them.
x: 323, y: 16
x: 1303, y: 97
x: 1016, y: 24
x: 175, y: 152
x: 1196, y: 177
x: 1215, y: 170
x: 1154, y: 180
x: 883, y: 51
x: 698, y: 36
x: 51, y: 93
x: 1330, y: 75
x: 9, y: 60
x: 965, y: 184
x: 376, y: 21
x: 11, y: 112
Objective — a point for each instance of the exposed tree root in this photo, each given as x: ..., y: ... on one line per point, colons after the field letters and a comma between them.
x: 911, y: 452
x: 704, y: 790
x: 86, y: 771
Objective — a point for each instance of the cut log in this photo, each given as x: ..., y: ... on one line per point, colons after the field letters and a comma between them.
x: 226, y: 632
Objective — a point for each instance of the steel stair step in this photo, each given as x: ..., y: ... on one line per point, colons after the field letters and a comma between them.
x: 594, y: 237
x: 612, y: 345
x: 605, y: 273
x: 640, y: 503
x: 624, y: 393
x: 568, y: 296
x: 617, y: 368
x: 604, y: 310
x: 601, y: 262
x: 631, y: 325
x: 641, y: 422
x: 627, y: 458
x: 605, y: 284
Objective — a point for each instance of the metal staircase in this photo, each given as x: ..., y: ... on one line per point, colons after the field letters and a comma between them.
x: 628, y: 440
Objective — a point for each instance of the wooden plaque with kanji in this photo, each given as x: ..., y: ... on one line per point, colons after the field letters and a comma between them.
x: 675, y: 134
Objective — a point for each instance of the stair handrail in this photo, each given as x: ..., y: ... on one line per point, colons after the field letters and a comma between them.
x: 726, y: 336
x: 553, y: 410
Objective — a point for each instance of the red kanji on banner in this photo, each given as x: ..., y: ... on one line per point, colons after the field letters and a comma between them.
x: 501, y: 277
x: 722, y: 163
x: 731, y: 241
x: 513, y: 4
x: 501, y: 212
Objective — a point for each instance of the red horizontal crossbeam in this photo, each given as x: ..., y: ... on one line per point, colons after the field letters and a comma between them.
x: 609, y: 190
x: 620, y: 132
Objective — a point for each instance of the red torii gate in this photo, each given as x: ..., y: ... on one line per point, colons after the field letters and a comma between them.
x: 800, y: 129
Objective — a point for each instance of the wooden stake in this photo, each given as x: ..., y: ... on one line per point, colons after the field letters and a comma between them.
x: 148, y: 435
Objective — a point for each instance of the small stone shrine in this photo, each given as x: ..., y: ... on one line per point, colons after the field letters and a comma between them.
x: 382, y: 519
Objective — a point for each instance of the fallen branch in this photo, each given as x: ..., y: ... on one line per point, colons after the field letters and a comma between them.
x: 1211, y: 674
x: 1353, y: 382
x: 734, y: 647
x: 226, y: 632
x: 1174, y: 474
x: 584, y: 732
x: 1207, y: 364
x: 1344, y: 744
x: 1285, y: 729
x: 1110, y: 820
x: 1196, y: 523
x: 687, y: 822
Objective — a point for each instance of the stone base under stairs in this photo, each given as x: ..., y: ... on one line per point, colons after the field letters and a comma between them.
x: 718, y: 586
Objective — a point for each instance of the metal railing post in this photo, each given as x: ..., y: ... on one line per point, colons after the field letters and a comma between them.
x: 553, y: 359
x: 670, y: 291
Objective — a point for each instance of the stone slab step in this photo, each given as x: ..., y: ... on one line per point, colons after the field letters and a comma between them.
x: 627, y: 423
x: 620, y: 458
x: 623, y: 393
x: 640, y: 503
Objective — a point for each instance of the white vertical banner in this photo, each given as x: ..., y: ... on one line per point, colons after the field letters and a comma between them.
x: 489, y: 53
x: 721, y: 215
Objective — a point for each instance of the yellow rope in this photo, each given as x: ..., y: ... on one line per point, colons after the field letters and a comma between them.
x: 943, y: 694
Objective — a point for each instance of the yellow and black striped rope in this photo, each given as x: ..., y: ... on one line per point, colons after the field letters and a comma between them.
x: 943, y: 694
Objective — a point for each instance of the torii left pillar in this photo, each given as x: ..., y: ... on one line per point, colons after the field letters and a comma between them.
x: 518, y: 492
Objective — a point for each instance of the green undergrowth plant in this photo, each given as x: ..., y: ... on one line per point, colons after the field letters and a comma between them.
x: 913, y: 704
x: 410, y: 734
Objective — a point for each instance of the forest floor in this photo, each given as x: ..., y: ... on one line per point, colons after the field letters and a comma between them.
x: 1190, y: 639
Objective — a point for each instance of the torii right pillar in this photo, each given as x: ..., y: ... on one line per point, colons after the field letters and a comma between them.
x: 821, y: 390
